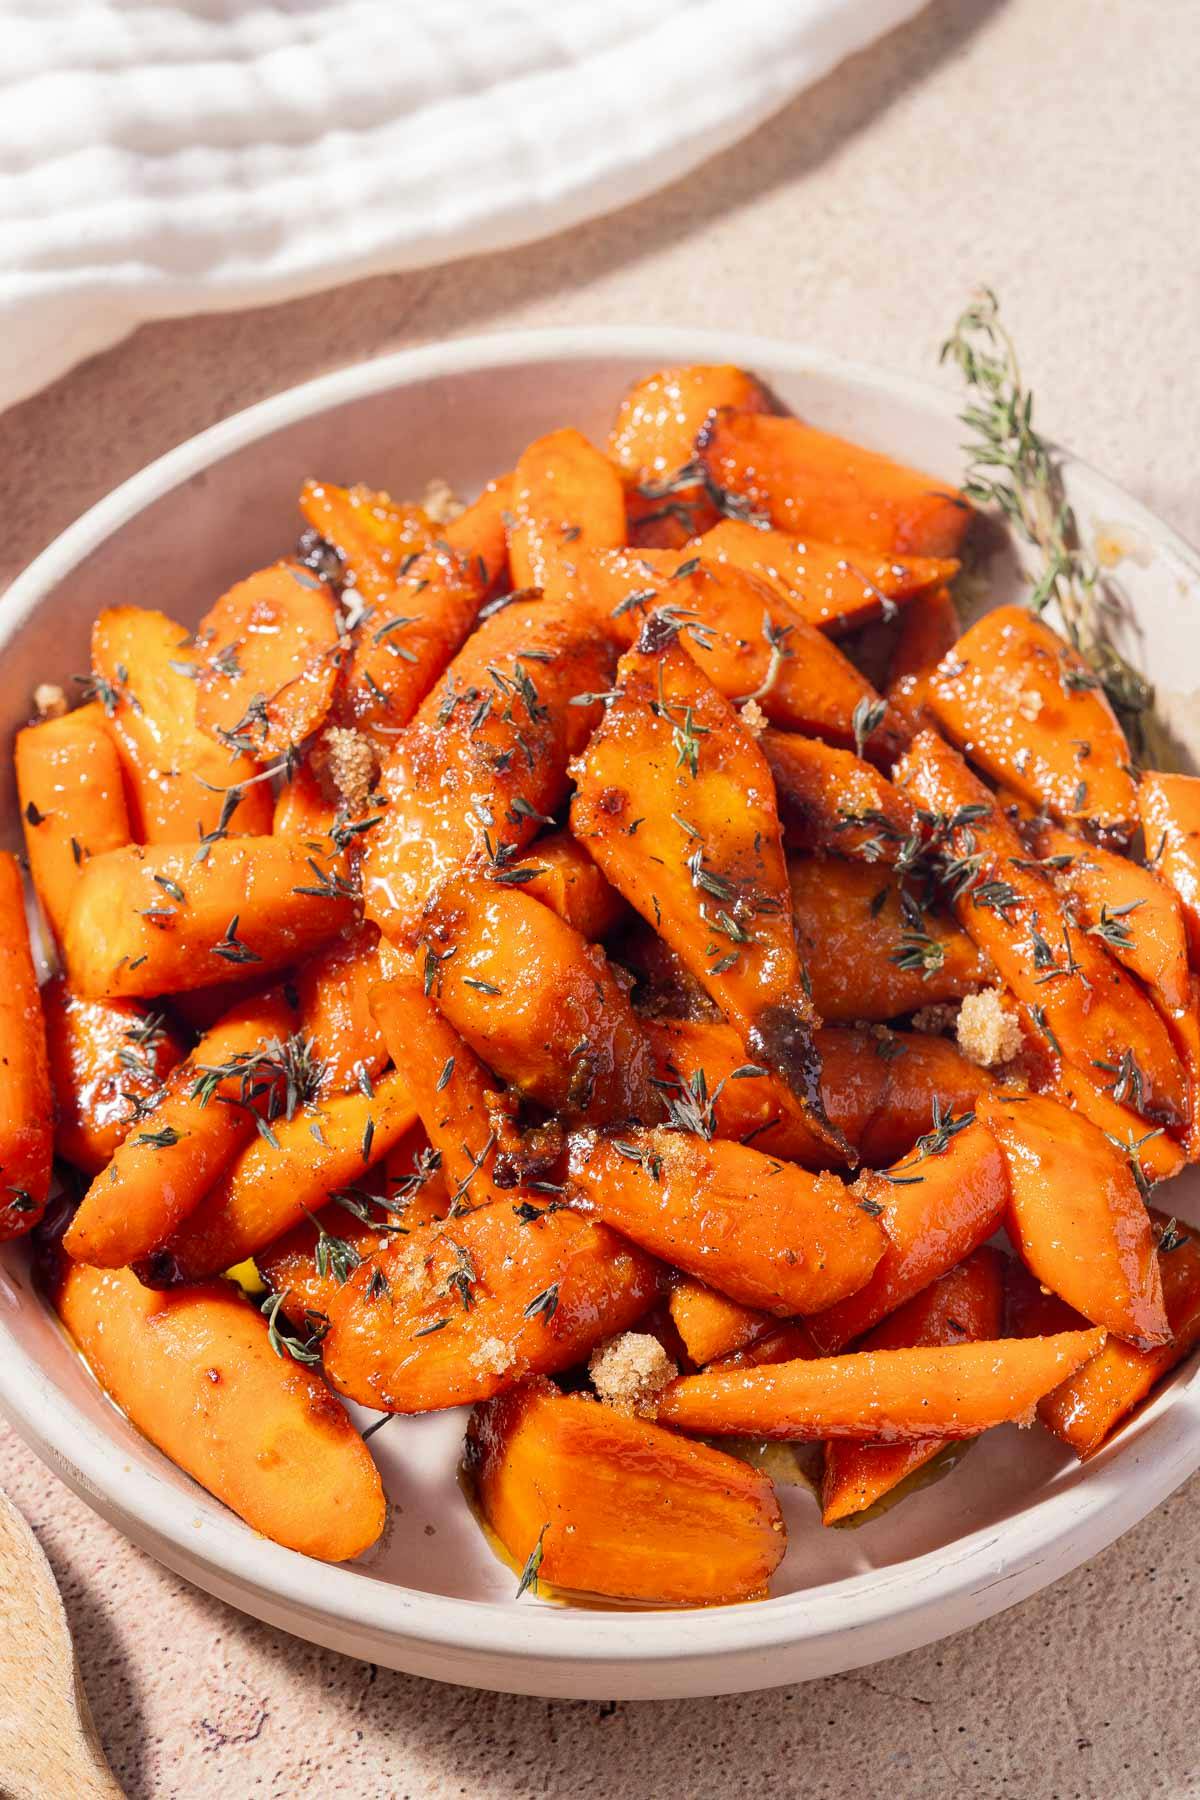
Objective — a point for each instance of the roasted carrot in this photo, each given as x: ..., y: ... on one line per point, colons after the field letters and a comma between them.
x: 810, y: 484
x: 1076, y: 1217
x: 1185, y: 1034
x: 195, y: 1372
x: 1169, y: 808
x: 675, y: 802
x: 369, y: 534
x: 180, y: 785
x: 146, y: 921
x: 565, y: 495
x: 26, y: 1102
x: 869, y: 955
x: 833, y: 586
x: 479, y: 535
x: 784, y: 1342
x: 456, y: 1312
x: 1026, y: 708
x: 941, y: 1391
x: 301, y: 807
x: 831, y: 800
x: 492, y: 741
x: 333, y: 989
x: 600, y: 1502
x: 557, y: 869
x: 325, y: 1147
x: 537, y: 1002
x: 1157, y: 1155
x: 965, y: 1304
x: 206, y: 1111
x: 1071, y: 989
x: 108, y: 1059
x: 659, y: 417
x: 269, y: 657
x: 72, y: 801
x: 927, y: 630
x: 711, y: 1324
x: 936, y: 1206
x: 766, y: 1233
x: 1091, y: 1404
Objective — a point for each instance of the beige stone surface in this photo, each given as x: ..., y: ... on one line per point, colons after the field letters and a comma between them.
x: 1051, y: 149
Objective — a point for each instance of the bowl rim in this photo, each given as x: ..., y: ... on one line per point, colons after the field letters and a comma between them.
x: 990, y: 1568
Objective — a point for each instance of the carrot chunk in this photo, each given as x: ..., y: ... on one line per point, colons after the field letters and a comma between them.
x: 566, y: 496
x: 72, y: 801
x: 368, y: 532
x: 270, y: 653
x: 26, y: 1103
x: 1169, y: 808
x: 108, y: 1060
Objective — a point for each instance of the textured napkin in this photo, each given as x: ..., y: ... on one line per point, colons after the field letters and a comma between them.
x: 159, y: 159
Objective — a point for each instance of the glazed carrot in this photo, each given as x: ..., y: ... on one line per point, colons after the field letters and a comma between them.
x: 180, y: 785
x: 1071, y: 989
x: 369, y: 534
x: 1169, y: 808
x: 333, y: 991
x: 146, y: 921
x: 866, y: 956
x: 404, y: 643
x: 787, y: 1340
x: 557, y: 870
x: 269, y: 656
x: 325, y: 1147
x: 457, y: 1312
x: 108, y: 1059
x: 831, y: 800
x: 928, y: 629
x: 479, y: 535
x: 1027, y: 709
x: 1076, y: 1217
x: 965, y: 1304
x: 810, y: 484
x: 1185, y: 1034
x: 927, y: 1080
x: 832, y: 586
x: 537, y: 1002
x: 1090, y: 1405
x: 941, y: 1391
x: 161, y: 1171
x: 565, y: 495
x: 492, y: 741
x: 659, y: 417
x: 72, y: 802
x: 766, y: 1233
x: 675, y: 802
x: 1157, y: 1155
x: 711, y: 1324
x: 26, y: 1105
x: 195, y: 1372
x: 936, y: 1206
x: 301, y: 809
x: 605, y: 1503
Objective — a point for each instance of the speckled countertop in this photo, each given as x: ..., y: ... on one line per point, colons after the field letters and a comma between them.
x: 1052, y: 150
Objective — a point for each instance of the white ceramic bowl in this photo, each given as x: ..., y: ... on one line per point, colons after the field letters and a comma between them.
x: 432, y: 1599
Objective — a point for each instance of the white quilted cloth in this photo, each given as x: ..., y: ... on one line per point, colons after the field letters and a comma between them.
x: 159, y: 159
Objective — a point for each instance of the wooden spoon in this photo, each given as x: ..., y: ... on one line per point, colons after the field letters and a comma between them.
x: 48, y: 1744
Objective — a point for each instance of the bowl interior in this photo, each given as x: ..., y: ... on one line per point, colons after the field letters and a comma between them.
x: 180, y: 534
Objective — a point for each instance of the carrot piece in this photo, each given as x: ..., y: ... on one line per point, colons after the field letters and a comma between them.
x: 492, y: 741
x: 831, y: 800
x: 810, y: 484
x: 479, y: 535
x: 195, y: 1373
x: 965, y: 1304
x: 161, y: 1171
x: 766, y: 1233
x: 301, y: 809
x: 602, y: 1502
x: 831, y: 586
x: 1087, y: 1408
x: 147, y: 921
x: 675, y: 802
x: 1027, y: 709
x: 270, y: 653
x: 557, y: 870
x: 1157, y: 1155
x: 72, y: 803
x: 711, y: 1324
x: 940, y: 1391
x: 333, y: 989
x: 1185, y: 1034
x: 1076, y: 1217
x: 866, y: 958
x: 1072, y: 990
x: 1169, y: 808
x: 659, y: 417
x: 936, y: 1206
x: 108, y: 1059
x: 565, y: 495
x: 537, y: 1002
x: 405, y: 642
x: 927, y: 1080
x: 26, y: 1103
x: 459, y: 1311
x: 179, y: 784
x: 928, y: 629
x: 369, y: 533
x: 269, y: 1187
x: 784, y: 1342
